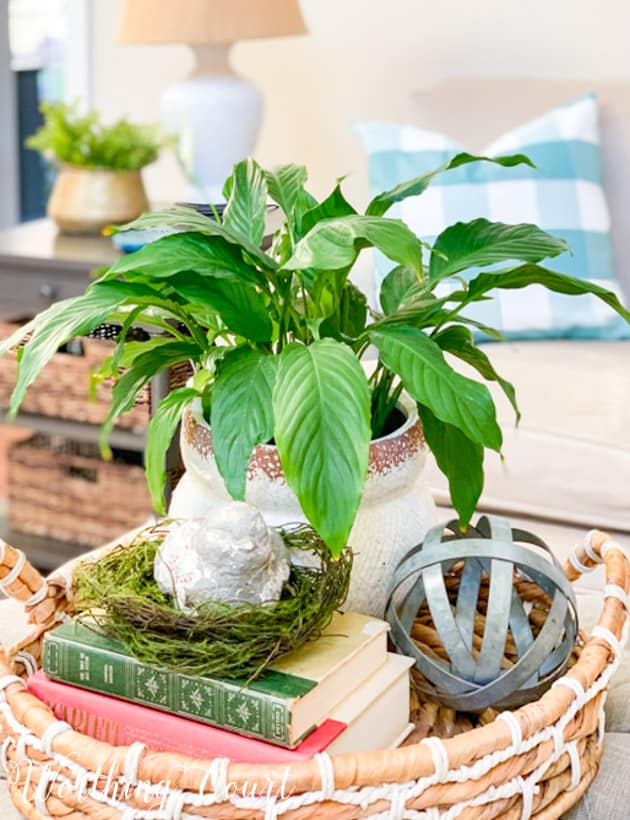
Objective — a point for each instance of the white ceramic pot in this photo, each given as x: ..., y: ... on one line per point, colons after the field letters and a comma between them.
x: 395, y: 512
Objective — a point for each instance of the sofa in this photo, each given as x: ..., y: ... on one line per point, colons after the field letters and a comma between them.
x: 568, y: 462
x: 566, y: 468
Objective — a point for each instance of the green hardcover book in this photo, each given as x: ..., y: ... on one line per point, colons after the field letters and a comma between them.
x: 283, y: 706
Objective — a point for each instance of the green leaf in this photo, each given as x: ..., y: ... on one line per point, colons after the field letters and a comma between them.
x: 333, y: 244
x: 321, y: 404
x: 246, y: 210
x: 480, y: 243
x: 348, y: 321
x: 400, y: 287
x: 285, y: 183
x: 335, y: 205
x: 188, y: 220
x: 459, y: 341
x: 162, y: 428
x: 459, y: 458
x: 143, y: 368
x: 413, y: 187
x: 212, y: 256
x: 242, y: 413
x: 305, y: 202
x: 525, y: 275
x: 431, y: 381
x: 63, y: 321
x: 241, y: 307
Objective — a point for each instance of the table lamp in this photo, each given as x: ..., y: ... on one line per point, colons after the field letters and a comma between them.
x: 214, y: 113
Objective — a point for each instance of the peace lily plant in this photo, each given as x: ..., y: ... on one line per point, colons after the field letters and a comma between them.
x: 276, y: 338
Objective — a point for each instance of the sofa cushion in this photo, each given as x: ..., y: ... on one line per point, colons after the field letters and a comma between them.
x: 475, y: 109
x: 569, y: 460
x: 563, y: 194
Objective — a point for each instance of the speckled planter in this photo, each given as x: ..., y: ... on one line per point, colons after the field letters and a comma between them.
x: 395, y: 512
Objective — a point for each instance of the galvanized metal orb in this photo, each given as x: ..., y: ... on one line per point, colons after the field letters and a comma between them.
x: 488, y: 615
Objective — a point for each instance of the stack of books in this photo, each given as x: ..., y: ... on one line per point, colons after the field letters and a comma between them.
x: 340, y: 693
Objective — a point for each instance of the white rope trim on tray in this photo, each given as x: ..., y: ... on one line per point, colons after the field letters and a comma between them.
x: 4, y: 760
x: 271, y: 808
x: 615, y: 591
x: 38, y: 597
x: 613, y: 545
x: 15, y: 572
x: 41, y: 796
x: 28, y: 661
x: 601, y: 725
x: 571, y: 683
x: 53, y: 731
x: 606, y: 635
x: 515, y: 729
x: 577, y: 565
x: 64, y: 574
x: 528, y: 789
x: 22, y: 741
x: 588, y: 547
x: 439, y: 755
x: 576, y: 768
x: 174, y: 809
x: 8, y: 680
x: 327, y: 774
x: 132, y: 761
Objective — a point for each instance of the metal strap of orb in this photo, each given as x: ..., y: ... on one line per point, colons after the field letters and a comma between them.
x: 470, y: 683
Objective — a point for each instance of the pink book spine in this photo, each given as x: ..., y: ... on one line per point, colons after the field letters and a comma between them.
x: 121, y: 723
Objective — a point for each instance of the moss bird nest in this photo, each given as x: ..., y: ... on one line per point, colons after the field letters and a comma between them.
x: 118, y: 592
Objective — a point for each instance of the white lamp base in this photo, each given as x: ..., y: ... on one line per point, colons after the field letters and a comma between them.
x: 215, y: 116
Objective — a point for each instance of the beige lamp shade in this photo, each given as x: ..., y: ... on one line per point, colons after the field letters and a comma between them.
x: 203, y: 22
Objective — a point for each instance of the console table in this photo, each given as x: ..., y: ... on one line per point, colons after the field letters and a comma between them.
x: 39, y: 266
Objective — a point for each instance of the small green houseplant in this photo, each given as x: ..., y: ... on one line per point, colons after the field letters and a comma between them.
x: 276, y: 338
x: 82, y: 139
x: 99, y: 177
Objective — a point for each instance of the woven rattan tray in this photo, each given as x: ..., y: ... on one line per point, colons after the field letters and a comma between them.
x: 535, y: 762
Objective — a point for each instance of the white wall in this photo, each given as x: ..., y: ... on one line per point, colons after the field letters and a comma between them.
x: 8, y: 189
x: 362, y: 59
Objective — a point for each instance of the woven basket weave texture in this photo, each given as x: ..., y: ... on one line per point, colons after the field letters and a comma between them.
x: 534, y: 762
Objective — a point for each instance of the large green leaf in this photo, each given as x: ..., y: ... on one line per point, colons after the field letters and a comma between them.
x: 480, y: 243
x: 525, y: 275
x: 212, y: 256
x: 162, y: 428
x: 348, y: 320
x: 241, y: 307
x: 143, y: 368
x: 285, y: 183
x: 242, y: 413
x: 245, y: 212
x: 335, y: 205
x: 321, y: 404
x: 431, y: 381
x: 459, y: 341
x: 63, y: 321
x: 333, y: 244
x: 413, y: 187
x: 189, y: 220
x: 459, y: 458
x: 401, y: 286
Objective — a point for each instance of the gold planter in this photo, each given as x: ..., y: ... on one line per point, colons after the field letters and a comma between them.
x: 86, y: 200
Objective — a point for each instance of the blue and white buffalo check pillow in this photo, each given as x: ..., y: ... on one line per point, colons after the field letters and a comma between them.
x: 563, y: 195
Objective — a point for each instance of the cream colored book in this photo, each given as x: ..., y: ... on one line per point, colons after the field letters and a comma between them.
x: 347, y: 654
x: 377, y: 712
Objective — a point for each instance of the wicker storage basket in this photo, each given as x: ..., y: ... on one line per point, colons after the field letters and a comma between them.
x: 534, y: 762
x: 61, y: 391
x: 62, y: 489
